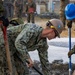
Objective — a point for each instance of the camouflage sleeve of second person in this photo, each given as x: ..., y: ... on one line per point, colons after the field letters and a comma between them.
x: 21, y: 43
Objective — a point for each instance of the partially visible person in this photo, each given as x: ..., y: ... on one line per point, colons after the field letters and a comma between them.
x: 3, y: 20
x: 19, y: 8
x: 70, y: 16
x: 8, y: 5
x: 33, y: 37
x: 71, y: 52
x: 30, y: 11
x: 29, y: 37
x: 18, y: 12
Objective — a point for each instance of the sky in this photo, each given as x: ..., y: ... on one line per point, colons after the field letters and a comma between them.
x: 58, y: 49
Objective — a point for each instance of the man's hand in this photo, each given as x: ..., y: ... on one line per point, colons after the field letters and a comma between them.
x: 69, y: 24
x: 26, y: 15
x: 70, y: 53
x: 30, y: 63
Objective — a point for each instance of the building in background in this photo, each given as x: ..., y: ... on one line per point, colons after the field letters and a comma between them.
x: 48, y: 5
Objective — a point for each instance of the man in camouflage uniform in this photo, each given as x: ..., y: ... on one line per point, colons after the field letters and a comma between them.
x: 30, y: 10
x: 31, y: 37
x: 18, y: 68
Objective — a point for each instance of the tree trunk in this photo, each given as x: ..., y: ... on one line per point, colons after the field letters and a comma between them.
x: 63, y: 3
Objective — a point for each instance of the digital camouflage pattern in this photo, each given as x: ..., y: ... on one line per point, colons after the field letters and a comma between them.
x: 1, y: 40
x: 1, y: 55
x: 28, y: 40
x: 12, y: 34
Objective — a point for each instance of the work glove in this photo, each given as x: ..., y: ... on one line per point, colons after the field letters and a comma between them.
x: 5, y: 21
x: 72, y: 51
x: 69, y: 24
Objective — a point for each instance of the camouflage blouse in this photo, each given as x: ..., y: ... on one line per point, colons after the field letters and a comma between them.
x: 29, y: 40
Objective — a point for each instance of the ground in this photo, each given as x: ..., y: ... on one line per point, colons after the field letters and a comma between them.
x: 42, y: 22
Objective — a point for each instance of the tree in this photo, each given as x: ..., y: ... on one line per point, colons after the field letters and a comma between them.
x: 63, y: 3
